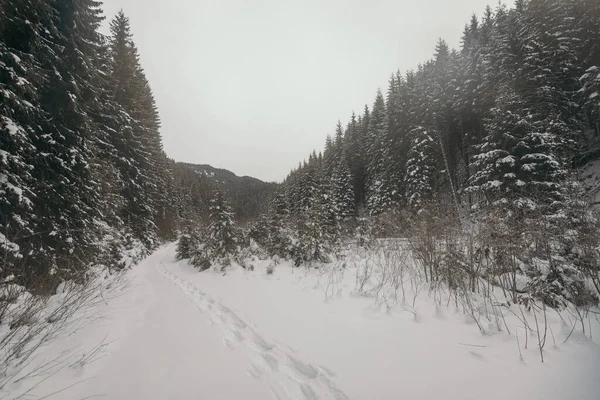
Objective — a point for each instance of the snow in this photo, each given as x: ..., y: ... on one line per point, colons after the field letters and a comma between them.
x: 302, y: 334
x: 509, y: 160
x: 6, y: 244
x: 16, y: 190
x: 16, y: 58
x: 494, y: 184
x: 205, y: 173
x: 13, y: 129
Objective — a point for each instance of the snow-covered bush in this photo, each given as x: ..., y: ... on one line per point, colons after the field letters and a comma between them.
x: 271, y: 267
x: 551, y: 259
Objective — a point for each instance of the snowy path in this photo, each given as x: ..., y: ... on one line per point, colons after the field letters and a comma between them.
x: 172, y: 341
x: 285, y: 374
x: 173, y: 353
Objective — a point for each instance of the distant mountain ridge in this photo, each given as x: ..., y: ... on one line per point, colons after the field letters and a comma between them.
x: 210, y: 171
x: 249, y: 196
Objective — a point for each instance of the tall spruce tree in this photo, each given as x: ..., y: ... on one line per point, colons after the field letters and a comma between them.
x: 343, y: 190
x: 378, y: 196
x: 26, y: 33
x: 143, y: 165
x: 222, y: 233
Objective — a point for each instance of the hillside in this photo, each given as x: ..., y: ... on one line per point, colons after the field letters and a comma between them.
x: 249, y: 196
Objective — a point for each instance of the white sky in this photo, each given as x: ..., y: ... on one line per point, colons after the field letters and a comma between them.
x: 254, y: 86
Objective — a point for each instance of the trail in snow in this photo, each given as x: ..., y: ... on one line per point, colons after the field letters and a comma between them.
x: 287, y: 376
x: 170, y: 340
x: 163, y: 349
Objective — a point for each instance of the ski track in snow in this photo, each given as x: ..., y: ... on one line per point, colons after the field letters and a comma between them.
x: 286, y: 375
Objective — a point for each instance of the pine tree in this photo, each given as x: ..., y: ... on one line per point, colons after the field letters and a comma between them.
x: 187, y: 245
x: 222, y: 237
x: 60, y: 47
x: 421, y: 168
x: 378, y: 193
x: 329, y: 156
x: 397, y: 141
x: 550, y: 71
x: 144, y: 165
x: 343, y: 190
x: 354, y: 149
x: 25, y: 32
x: 279, y: 235
x: 317, y: 229
x: 516, y: 166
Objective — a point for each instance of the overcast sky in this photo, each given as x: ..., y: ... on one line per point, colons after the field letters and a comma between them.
x: 254, y: 86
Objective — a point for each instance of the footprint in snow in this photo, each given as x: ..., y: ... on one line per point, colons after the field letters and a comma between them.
x: 285, y: 374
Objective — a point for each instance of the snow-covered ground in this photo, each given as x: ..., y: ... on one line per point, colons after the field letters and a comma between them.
x: 175, y: 333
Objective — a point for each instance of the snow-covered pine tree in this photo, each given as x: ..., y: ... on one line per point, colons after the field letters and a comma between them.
x: 222, y: 235
x: 279, y: 234
x: 354, y: 150
x: 396, y: 140
x: 323, y: 201
x: 329, y: 156
x: 471, y: 53
x: 317, y: 229
x: 378, y: 194
x: 486, y: 66
x: 144, y: 165
x: 106, y: 116
x: 517, y: 168
x: 66, y: 204
x: 188, y: 244
x: 71, y: 203
x: 309, y: 184
x: 421, y: 168
x: 343, y: 190
x: 26, y: 30
x: 549, y: 73
x: 441, y: 97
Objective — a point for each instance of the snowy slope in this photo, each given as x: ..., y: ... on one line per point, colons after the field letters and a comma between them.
x: 179, y: 334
